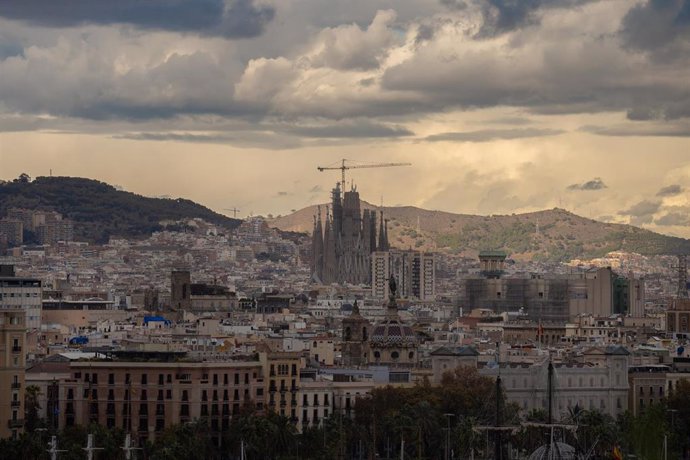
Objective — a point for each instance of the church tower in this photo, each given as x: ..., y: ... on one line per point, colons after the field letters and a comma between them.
x: 355, y: 338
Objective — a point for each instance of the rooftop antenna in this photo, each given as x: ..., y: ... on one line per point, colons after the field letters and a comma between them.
x: 233, y: 210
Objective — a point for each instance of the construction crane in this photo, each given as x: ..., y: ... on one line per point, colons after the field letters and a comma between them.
x: 233, y: 210
x: 343, y: 167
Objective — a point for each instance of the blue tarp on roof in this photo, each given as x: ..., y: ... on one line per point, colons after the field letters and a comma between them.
x: 157, y: 319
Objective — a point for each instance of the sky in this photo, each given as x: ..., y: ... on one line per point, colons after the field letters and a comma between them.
x: 501, y: 106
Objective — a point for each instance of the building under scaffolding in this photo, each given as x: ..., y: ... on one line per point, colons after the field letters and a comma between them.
x: 555, y: 299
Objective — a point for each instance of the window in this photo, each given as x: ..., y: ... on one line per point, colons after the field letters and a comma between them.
x: 395, y: 355
x: 111, y: 379
x: 144, y: 379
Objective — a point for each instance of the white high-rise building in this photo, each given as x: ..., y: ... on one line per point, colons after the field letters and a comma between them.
x: 414, y: 272
x: 22, y: 294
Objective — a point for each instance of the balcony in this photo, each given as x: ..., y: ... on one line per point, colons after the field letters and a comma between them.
x: 15, y: 403
x: 18, y: 423
x: 16, y: 385
x: 16, y: 349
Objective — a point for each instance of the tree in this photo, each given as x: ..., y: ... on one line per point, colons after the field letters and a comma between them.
x: 32, y: 407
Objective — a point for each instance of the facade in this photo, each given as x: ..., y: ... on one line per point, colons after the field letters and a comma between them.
x: 448, y: 358
x: 49, y: 227
x: 651, y: 383
x: 146, y: 397
x: 553, y: 299
x: 414, y: 271
x: 315, y: 403
x: 528, y: 332
x: 12, y: 363
x: 281, y: 385
x: 13, y: 230
x: 342, y: 245
x: 23, y: 294
x: 80, y: 313
x: 180, y: 290
x: 678, y: 318
x: 599, y: 382
x: 355, y: 338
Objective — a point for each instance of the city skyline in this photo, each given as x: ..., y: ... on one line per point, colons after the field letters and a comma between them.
x: 502, y: 107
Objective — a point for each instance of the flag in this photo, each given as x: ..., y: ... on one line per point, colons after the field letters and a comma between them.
x: 617, y: 455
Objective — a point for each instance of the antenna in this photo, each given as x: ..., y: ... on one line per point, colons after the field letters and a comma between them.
x: 233, y: 210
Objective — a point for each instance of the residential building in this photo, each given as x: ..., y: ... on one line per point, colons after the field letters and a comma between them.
x: 12, y: 364
x: 414, y: 272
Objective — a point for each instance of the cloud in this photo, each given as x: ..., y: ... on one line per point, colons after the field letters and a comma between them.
x: 673, y: 219
x: 653, y: 129
x: 642, y: 212
x: 230, y: 19
x: 505, y: 15
x: 456, y: 5
x: 487, y: 135
x: 240, y: 139
x: 670, y: 190
x: 659, y: 26
x: 350, y: 129
x: 594, y: 184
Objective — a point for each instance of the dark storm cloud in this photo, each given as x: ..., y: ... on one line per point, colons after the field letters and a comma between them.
x: 505, y: 15
x: 661, y: 26
x: 670, y: 190
x: 231, y: 19
x: 487, y: 135
x: 594, y: 184
x: 357, y: 129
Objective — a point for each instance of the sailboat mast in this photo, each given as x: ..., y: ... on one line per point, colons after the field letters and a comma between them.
x: 550, y: 390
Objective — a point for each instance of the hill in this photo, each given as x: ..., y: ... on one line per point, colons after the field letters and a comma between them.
x: 100, y: 210
x: 550, y: 235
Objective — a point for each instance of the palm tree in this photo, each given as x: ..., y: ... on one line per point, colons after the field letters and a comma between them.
x: 32, y: 407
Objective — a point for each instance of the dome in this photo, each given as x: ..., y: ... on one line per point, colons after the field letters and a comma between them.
x: 393, y: 333
x: 554, y: 451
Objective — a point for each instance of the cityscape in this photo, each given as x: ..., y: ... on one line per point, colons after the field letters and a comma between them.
x: 425, y: 229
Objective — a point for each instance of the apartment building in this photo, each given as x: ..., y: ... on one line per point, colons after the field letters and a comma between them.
x: 12, y: 363
x: 145, y: 396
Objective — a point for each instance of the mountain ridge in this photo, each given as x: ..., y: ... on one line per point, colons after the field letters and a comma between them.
x: 99, y: 210
x: 548, y: 235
